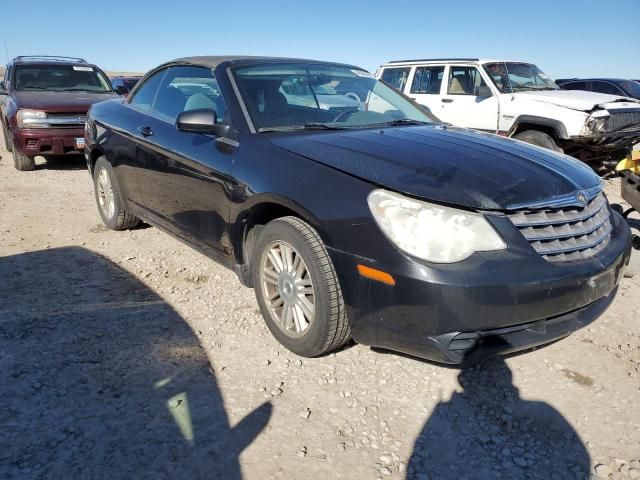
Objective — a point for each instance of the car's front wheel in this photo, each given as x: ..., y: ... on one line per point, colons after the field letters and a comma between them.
x: 7, y: 140
x: 23, y: 162
x: 108, y: 198
x: 541, y: 139
x: 297, y: 288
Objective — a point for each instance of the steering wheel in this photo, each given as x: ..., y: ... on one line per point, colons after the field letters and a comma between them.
x: 353, y: 96
x: 349, y: 112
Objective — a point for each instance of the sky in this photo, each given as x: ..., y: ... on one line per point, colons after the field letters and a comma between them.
x: 565, y: 38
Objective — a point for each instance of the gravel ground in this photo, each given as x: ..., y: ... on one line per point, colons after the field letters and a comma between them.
x: 128, y: 355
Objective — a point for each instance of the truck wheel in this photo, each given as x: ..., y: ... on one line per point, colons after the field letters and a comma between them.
x: 23, y: 162
x: 7, y: 141
x: 297, y: 288
x: 540, y: 139
x: 110, y: 205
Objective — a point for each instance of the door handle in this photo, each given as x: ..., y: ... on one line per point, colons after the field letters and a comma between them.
x: 447, y: 100
x: 145, y: 131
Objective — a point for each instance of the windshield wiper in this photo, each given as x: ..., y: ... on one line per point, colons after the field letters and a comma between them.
x: 279, y: 129
x: 397, y: 122
x: 306, y: 126
x: 322, y: 126
x: 525, y: 87
x: 83, y: 90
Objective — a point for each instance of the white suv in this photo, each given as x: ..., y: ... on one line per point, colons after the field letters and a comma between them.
x: 517, y: 99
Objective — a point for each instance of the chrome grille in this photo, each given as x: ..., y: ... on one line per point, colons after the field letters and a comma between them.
x: 567, y: 234
x: 65, y: 119
x: 620, y: 120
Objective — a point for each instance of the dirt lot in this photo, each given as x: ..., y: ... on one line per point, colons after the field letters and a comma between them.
x: 128, y: 355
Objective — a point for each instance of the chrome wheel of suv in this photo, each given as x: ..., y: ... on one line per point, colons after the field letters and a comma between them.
x: 287, y: 288
x: 105, y: 194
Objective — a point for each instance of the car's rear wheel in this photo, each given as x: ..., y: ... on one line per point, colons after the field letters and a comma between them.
x: 297, y: 288
x: 23, y: 162
x: 110, y: 204
x: 540, y: 139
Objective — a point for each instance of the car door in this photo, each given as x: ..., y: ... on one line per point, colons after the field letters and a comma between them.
x: 467, y: 100
x: 425, y: 87
x: 186, y: 177
x: 128, y: 145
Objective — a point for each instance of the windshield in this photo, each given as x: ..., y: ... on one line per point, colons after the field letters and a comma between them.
x: 299, y: 96
x: 61, y: 78
x: 517, y: 77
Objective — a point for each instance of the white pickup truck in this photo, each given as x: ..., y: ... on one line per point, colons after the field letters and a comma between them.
x: 518, y: 100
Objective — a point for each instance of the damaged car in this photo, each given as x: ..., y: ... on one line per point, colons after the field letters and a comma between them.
x: 369, y: 220
x: 518, y: 100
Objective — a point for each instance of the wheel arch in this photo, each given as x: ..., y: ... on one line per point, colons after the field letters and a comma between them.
x: 263, y: 209
x: 94, y: 154
x: 550, y: 126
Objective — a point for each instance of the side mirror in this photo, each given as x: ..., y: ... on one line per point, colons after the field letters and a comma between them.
x: 3, y: 89
x: 483, y: 91
x: 122, y: 90
x: 202, y: 120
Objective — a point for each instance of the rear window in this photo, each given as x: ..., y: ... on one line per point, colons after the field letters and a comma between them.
x: 396, y: 77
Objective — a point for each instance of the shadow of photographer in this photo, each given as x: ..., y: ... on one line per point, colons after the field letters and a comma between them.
x: 489, y: 431
x: 100, y: 378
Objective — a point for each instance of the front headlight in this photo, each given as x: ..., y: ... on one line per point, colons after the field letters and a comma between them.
x: 597, y: 121
x: 432, y: 232
x: 31, y: 119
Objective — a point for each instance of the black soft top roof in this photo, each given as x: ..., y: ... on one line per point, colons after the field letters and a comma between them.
x: 214, y: 61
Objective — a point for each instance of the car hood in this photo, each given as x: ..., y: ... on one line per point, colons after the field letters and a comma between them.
x: 579, y: 99
x: 60, y: 102
x: 447, y: 165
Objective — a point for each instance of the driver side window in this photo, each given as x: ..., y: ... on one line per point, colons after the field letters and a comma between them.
x: 189, y: 88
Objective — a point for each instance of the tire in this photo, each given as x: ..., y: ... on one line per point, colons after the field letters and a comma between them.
x: 108, y: 199
x: 329, y: 326
x: 23, y: 162
x: 540, y: 139
x: 7, y: 141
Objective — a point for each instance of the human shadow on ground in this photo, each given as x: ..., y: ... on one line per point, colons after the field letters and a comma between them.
x: 489, y: 431
x: 101, y: 379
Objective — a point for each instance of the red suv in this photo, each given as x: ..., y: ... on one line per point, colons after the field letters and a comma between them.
x: 44, y: 102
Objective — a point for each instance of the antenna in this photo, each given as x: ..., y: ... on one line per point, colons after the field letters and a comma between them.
x: 6, y: 50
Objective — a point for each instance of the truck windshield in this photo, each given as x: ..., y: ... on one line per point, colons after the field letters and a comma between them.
x: 512, y: 77
x: 317, y: 96
x: 61, y: 78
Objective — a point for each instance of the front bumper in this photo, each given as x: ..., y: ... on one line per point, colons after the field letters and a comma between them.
x: 47, y: 141
x: 493, y: 302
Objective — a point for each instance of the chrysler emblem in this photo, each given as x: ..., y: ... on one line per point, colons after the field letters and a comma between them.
x: 581, y: 198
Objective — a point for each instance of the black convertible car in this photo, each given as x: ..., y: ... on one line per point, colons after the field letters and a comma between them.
x: 352, y: 212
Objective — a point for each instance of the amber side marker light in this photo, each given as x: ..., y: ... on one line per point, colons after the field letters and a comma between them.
x: 374, y: 274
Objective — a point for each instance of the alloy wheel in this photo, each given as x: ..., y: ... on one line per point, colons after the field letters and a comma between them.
x: 106, y: 198
x: 287, y: 288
